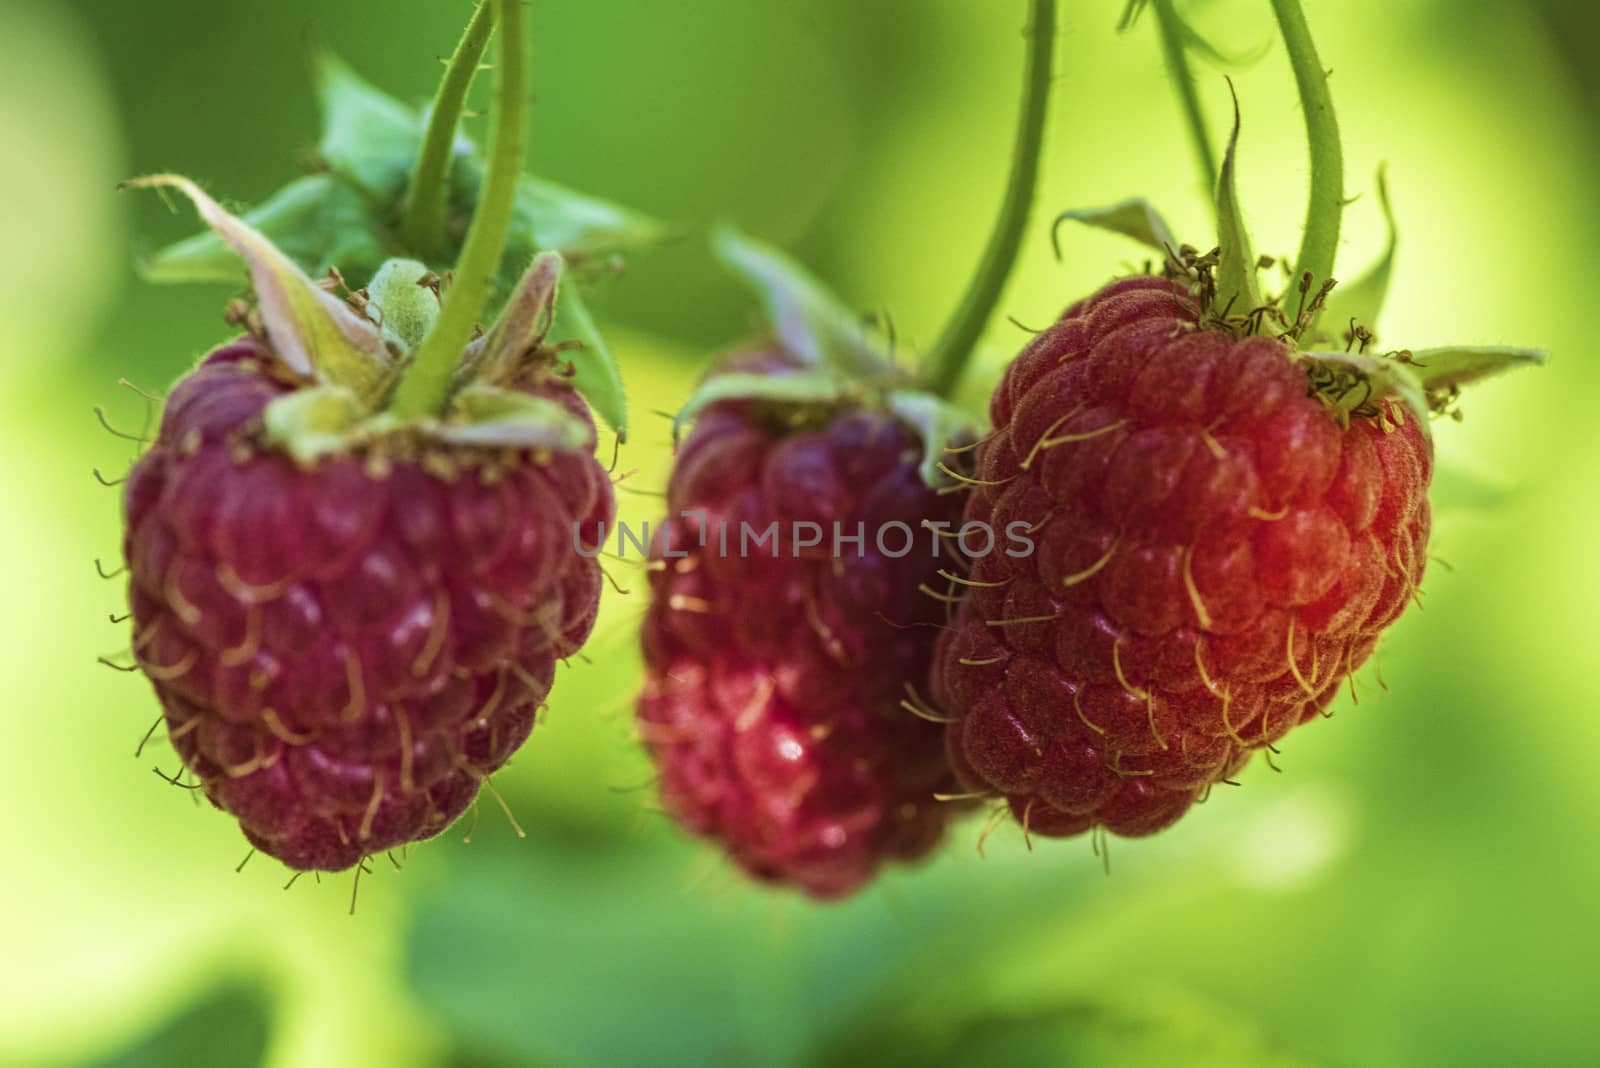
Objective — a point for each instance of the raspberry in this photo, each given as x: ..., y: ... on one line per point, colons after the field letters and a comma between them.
x: 1215, y: 555
x: 773, y: 702
x: 345, y: 649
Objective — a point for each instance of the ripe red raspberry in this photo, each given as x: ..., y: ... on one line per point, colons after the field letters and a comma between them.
x: 775, y: 680
x: 1215, y: 556
x: 346, y: 648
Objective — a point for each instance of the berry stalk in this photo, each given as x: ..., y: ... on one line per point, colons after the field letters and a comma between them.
x: 426, y: 383
x: 423, y: 224
x: 1326, y: 206
x: 954, y: 347
x: 1177, y: 57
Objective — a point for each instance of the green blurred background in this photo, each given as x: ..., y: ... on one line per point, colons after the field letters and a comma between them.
x: 1418, y: 887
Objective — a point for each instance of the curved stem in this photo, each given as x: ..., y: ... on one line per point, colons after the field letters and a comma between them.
x: 426, y: 384
x: 1325, y: 208
x: 1177, y: 56
x: 954, y: 347
x: 422, y: 227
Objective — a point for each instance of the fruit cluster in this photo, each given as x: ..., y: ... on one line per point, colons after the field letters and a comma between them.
x: 367, y: 531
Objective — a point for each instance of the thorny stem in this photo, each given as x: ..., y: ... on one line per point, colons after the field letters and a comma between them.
x: 1326, y: 205
x: 427, y: 198
x: 954, y: 347
x: 426, y: 384
x: 1177, y: 57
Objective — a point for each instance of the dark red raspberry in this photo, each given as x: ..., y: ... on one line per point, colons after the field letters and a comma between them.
x: 1216, y: 555
x: 345, y: 649
x: 773, y: 698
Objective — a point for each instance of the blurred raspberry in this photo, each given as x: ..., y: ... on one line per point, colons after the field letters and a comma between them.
x: 776, y: 671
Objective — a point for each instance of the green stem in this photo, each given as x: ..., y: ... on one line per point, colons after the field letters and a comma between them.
x: 426, y: 385
x: 1177, y: 56
x: 954, y: 347
x: 422, y: 227
x: 1325, y: 209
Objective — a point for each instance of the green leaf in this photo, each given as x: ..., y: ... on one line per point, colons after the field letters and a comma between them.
x: 310, y: 330
x: 594, y: 371
x: 810, y: 321
x: 1461, y: 365
x: 509, y: 418
x: 1362, y: 301
x: 368, y: 137
x: 310, y: 423
x: 813, y: 386
x: 1135, y: 218
x: 938, y: 422
x: 1236, y: 272
x: 231, y: 1025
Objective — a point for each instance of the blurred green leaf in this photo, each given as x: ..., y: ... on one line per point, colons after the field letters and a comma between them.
x: 1156, y: 1029
x: 229, y: 1028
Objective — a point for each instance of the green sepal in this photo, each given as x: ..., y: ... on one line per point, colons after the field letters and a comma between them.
x: 1236, y: 270
x: 1371, y: 379
x: 523, y: 323
x: 582, y: 228
x: 310, y: 330
x: 1454, y: 366
x: 1362, y: 301
x: 368, y: 137
x: 311, y: 423
x: 489, y: 416
x: 1193, y: 39
x: 594, y: 371
x: 808, y: 320
x: 403, y: 303
x: 1136, y: 218
x: 1130, y: 15
x: 318, y: 221
x: 344, y: 218
x: 813, y: 386
x: 939, y: 423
